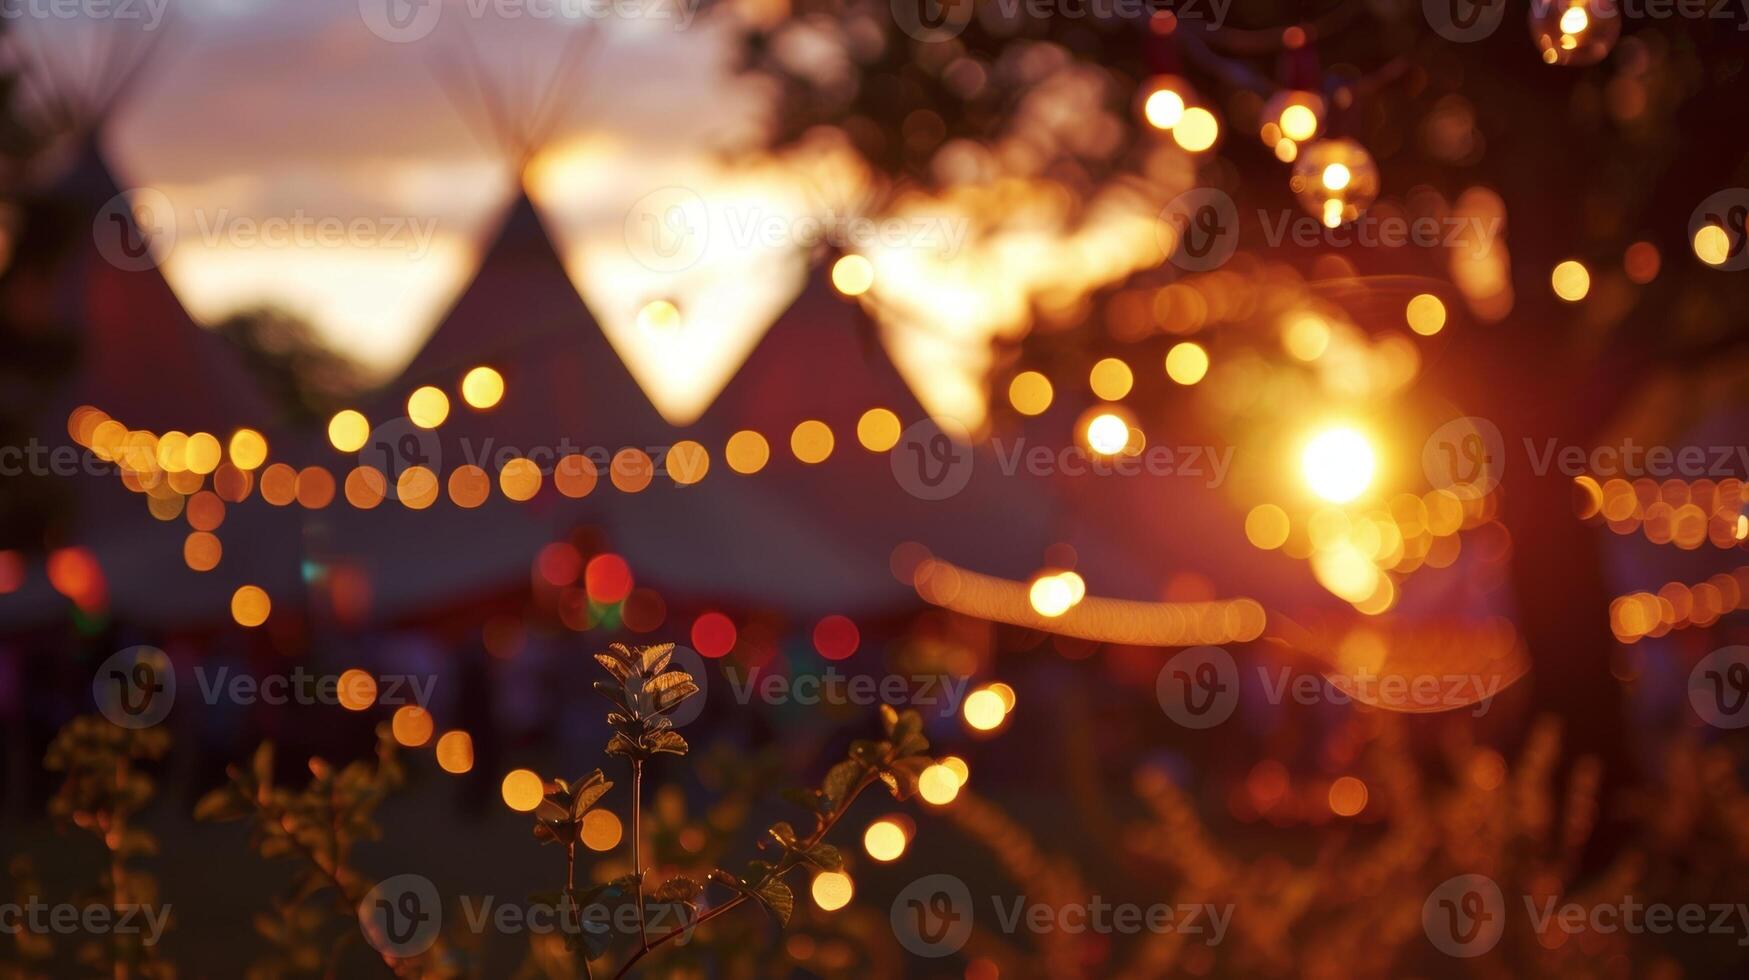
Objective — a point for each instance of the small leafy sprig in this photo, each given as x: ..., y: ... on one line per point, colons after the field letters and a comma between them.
x: 646, y: 687
x: 318, y: 825
x: 895, y: 761
x: 102, y: 791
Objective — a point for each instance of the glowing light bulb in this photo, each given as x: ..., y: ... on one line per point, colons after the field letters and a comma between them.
x: 1338, y: 464
x: 1163, y: 109
x: 1108, y: 434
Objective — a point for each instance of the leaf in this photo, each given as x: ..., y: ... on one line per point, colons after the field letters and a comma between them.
x: 261, y: 766
x: 589, y: 789
x: 911, y: 745
x: 889, y: 718
x: 668, y: 742
x: 677, y: 889
x: 893, y: 785
x: 221, y: 804
x: 783, y: 833
x: 611, y: 693
x: 869, y: 753
x: 620, y: 745
x: 545, y: 834
x: 776, y: 896
x: 841, y: 779
x: 655, y: 658
x: 614, y: 666
x: 811, y: 800
x: 825, y: 857
x: 670, y: 698
x: 909, y: 725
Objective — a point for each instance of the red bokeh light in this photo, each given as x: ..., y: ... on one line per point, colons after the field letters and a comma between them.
x: 713, y: 635
x: 11, y: 571
x: 74, y: 573
x: 836, y: 637
x: 558, y: 564
x: 607, y: 578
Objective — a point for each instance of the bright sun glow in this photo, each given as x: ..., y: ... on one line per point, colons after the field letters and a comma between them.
x: 1338, y: 464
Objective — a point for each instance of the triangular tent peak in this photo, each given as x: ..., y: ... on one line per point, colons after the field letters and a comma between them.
x: 70, y: 91
x: 511, y: 120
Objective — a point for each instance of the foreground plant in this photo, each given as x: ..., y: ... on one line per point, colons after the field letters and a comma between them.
x: 645, y: 689
x: 102, y: 792
x: 317, y: 826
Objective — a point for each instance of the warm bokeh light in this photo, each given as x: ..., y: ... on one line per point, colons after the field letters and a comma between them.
x: 984, y: 710
x: 248, y: 449
x: 348, y: 430
x: 1108, y: 434
x: 852, y: 275
x: 1712, y: 245
x: 416, y: 488
x: 1347, y: 796
x: 878, y: 430
x: 885, y: 840
x: 1187, y: 363
x: 469, y: 486
x: 356, y: 690
x: 1111, y: 379
x: 832, y: 890
x: 575, y: 476
x: 365, y: 487
x: 747, y: 451
x: 687, y: 462
x: 1298, y: 122
x: 1338, y: 464
x: 1030, y: 393
x: 519, y: 480
x: 1571, y: 280
x: 811, y: 441
x: 1267, y: 526
x: 1197, y: 130
x: 1163, y: 108
x: 1306, y: 337
x: 601, y: 830
x: 1425, y: 314
x: 1052, y: 595
x: 938, y: 785
x: 482, y: 388
x: 411, y: 725
x: 522, y: 790
x: 201, y: 552
x: 455, y: 752
x: 631, y: 470
x: 204, y: 453
x: 659, y: 316
x: 250, y: 606
x: 427, y: 407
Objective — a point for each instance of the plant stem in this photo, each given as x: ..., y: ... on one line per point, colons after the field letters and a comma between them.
x: 637, y: 859
x: 571, y: 899
x: 782, y: 868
